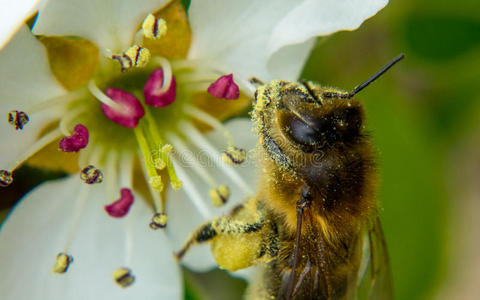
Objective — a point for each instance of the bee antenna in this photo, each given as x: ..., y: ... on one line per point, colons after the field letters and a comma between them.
x: 376, y: 75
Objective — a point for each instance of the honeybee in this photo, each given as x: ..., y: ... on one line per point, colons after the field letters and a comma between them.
x: 313, y: 226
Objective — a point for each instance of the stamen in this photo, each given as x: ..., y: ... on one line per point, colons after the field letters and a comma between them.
x: 62, y: 262
x: 111, y: 172
x: 135, y: 56
x: 123, y: 277
x: 37, y: 146
x: 77, y: 141
x: 220, y: 195
x: 97, y: 93
x: 131, y: 109
x: 224, y: 87
x: 17, y: 119
x: 62, y: 99
x: 156, y: 183
x: 69, y: 116
x: 157, y: 200
x: 154, y: 92
x: 91, y: 175
x: 208, y: 119
x: 196, y: 137
x: 5, y: 178
x: 154, y: 28
x: 120, y: 207
x: 193, y: 161
x: 234, y: 156
x: 192, y: 192
x: 159, y: 220
x: 153, y: 130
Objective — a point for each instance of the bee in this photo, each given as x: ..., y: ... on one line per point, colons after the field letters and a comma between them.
x: 313, y: 226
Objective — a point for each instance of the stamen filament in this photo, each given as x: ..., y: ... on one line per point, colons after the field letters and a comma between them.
x: 192, y: 192
x: 62, y: 99
x: 37, y: 146
x: 78, y: 211
x: 196, y: 137
x: 157, y: 199
x: 71, y: 115
x: 111, y: 172
x: 126, y: 166
x: 128, y: 243
x: 143, y: 144
x: 97, y: 93
x: 183, y: 150
x: 167, y: 72
x: 209, y: 120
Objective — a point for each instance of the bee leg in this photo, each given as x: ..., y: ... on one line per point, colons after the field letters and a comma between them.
x: 203, y: 234
x: 304, y: 202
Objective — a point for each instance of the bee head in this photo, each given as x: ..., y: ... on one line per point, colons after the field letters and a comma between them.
x: 306, y: 116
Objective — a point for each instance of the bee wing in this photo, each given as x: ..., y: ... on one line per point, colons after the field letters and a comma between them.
x: 374, y: 280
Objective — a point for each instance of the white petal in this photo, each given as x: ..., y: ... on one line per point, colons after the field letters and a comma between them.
x: 13, y: 15
x: 25, y: 80
x: 244, y: 35
x: 236, y: 33
x: 184, y: 217
x: 37, y: 230
x: 108, y: 23
x: 321, y: 17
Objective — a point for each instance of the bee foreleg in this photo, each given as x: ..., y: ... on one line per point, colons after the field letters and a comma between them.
x: 203, y: 234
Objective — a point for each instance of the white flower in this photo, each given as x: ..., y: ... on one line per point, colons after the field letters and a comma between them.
x: 267, y: 39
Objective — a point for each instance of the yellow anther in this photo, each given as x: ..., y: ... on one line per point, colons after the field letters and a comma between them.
x: 159, y: 220
x: 154, y: 28
x: 156, y: 183
x: 159, y: 164
x: 135, y: 56
x: 62, y: 262
x: 176, y: 185
x: 123, y: 277
x: 219, y: 196
x: 167, y: 148
x: 234, y: 155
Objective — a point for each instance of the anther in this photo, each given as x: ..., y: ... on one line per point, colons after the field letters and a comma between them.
x: 234, y: 155
x: 154, y: 28
x: 91, y: 175
x: 159, y: 220
x: 17, y: 119
x: 135, y: 56
x: 219, y: 196
x: 62, y: 262
x: 224, y: 87
x: 6, y: 178
x: 123, y: 277
x: 130, y: 112
x: 120, y: 207
x: 76, y: 141
x: 156, y: 183
x: 155, y: 94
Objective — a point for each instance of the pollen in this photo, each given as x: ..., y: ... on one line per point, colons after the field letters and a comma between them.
x: 234, y: 155
x: 219, y: 196
x: 90, y: 175
x: 156, y: 183
x: 159, y: 220
x: 5, y: 178
x: 123, y: 277
x: 135, y: 56
x: 154, y: 28
x: 17, y: 119
x: 62, y: 262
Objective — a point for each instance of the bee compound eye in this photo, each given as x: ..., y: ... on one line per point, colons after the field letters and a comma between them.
x: 305, y: 134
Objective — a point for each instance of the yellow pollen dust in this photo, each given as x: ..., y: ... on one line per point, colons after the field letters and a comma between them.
x: 156, y: 183
x: 62, y: 262
x: 159, y: 220
x: 176, y: 185
x: 159, y: 164
x: 154, y: 28
x: 219, y: 196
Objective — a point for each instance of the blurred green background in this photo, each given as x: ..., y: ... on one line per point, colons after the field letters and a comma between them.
x: 424, y: 119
